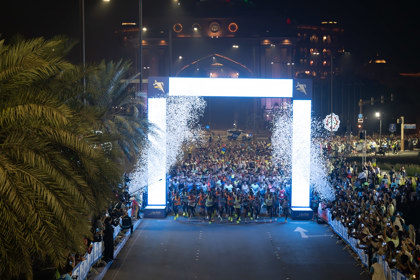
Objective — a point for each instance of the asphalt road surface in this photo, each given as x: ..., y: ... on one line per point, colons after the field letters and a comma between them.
x: 168, y: 249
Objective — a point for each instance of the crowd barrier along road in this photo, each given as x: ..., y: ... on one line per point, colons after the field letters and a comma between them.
x: 342, y: 231
x: 82, y: 269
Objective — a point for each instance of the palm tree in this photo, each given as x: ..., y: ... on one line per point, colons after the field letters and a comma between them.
x: 112, y: 101
x: 45, y: 166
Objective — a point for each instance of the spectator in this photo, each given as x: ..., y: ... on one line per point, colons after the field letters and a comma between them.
x: 108, y: 254
x: 126, y: 222
x: 377, y: 271
x: 67, y: 272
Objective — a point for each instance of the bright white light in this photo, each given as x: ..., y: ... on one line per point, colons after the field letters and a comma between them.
x: 157, y: 155
x: 301, y: 152
x: 235, y: 46
x: 180, y: 57
x: 195, y: 28
x: 144, y: 28
x: 230, y: 87
x: 378, y: 114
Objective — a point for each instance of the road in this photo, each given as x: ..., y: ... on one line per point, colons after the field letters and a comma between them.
x: 168, y: 249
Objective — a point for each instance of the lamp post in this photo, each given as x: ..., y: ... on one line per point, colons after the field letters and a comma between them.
x: 83, y: 46
x: 140, y: 44
x: 378, y: 115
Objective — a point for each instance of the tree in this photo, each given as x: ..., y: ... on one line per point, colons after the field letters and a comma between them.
x: 46, y: 167
x: 111, y: 102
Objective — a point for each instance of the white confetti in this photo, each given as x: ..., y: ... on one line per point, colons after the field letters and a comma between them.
x: 281, y: 142
x: 182, y: 116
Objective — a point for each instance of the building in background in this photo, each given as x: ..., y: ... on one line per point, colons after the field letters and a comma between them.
x: 251, y: 48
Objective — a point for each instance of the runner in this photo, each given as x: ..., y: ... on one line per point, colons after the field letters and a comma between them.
x: 184, y: 201
x: 209, y: 206
x: 251, y: 199
x: 192, y: 203
x: 176, y: 205
x: 222, y: 204
x: 230, y: 202
x: 246, y: 205
x: 256, y: 207
x: 202, y: 203
x: 237, y: 206
x: 269, y: 203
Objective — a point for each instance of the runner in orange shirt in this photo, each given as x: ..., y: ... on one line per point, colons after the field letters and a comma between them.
x: 176, y: 204
x: 202, y: 203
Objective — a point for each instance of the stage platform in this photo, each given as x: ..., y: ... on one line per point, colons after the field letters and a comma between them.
x: 301, y: 213
x: 156, y: 212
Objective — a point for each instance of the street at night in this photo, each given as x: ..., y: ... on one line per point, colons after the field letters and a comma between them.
x: 168, y: 249
x: 209, y: 139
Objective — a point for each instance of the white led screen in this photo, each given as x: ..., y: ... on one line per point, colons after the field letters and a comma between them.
x: 221, y: 87
x: 301, y: 152
x: 157, y: 153
x: 225, y: 87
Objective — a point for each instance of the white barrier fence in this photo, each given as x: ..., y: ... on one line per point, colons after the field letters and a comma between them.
x: 342, y: 231
x: 82, y: 269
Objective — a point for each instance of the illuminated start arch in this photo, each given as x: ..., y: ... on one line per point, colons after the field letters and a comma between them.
x: 299, y: 90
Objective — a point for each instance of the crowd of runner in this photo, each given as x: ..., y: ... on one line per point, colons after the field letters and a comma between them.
x: 229, y: 180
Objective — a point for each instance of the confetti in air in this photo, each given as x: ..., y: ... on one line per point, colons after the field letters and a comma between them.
x: 282, y: 153
x: 139, y: 176
x: 281, y: 140
x: 182, y: 116
x: 319, y: 163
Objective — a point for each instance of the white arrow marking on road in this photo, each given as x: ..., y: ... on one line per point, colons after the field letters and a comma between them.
x: 302, y: 232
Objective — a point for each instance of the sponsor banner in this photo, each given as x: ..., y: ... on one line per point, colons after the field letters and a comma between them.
x: 302, y: 89
x: 158, y: 87
x: 392, y: 127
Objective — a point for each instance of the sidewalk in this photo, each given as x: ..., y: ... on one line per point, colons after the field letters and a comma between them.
x: 98, y: 273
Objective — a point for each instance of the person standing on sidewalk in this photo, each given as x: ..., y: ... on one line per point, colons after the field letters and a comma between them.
x: 108, y: 254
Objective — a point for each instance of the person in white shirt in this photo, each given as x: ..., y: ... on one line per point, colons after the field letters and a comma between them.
x: 255, y: 187
x: 229, y: 186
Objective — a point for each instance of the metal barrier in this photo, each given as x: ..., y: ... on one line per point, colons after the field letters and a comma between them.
x: 342, y: 231
x: 82, y: 269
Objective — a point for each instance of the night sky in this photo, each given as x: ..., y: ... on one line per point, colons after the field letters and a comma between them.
x: 390, y: 28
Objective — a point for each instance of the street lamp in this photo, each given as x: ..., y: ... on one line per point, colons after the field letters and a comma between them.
x: 378, y: 115
x: 83, y: 47
x: 141, y: 30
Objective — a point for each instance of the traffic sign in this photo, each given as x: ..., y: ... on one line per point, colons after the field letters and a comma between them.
x: 360, y: 116
x: 392, y: 127
x: 332, y: 122
x: 410, y: 126
x: 360, y: 120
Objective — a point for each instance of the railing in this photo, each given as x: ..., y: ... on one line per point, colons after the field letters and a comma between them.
x: 342, y: 231
x: 82, y: 269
